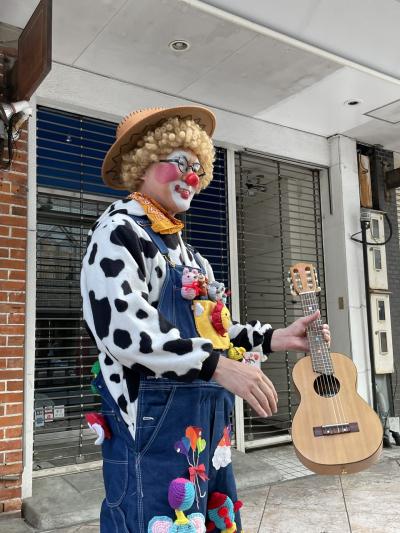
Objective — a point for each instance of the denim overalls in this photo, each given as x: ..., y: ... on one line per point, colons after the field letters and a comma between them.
x: 179, y: 433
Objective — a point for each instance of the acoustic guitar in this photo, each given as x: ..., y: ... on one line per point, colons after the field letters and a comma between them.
x: 334, y: 430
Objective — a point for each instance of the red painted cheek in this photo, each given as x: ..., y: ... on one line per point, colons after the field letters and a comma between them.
x: 166, y: 172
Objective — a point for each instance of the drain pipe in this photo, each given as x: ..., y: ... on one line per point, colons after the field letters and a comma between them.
x: 365, y: 222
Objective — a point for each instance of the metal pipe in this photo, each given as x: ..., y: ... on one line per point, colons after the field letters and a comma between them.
x: 364, y: 224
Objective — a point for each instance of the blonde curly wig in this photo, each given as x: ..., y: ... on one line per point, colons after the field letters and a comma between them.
x: 157, y: 143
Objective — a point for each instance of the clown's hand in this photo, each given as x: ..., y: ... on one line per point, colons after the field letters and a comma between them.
x: 294, y: 337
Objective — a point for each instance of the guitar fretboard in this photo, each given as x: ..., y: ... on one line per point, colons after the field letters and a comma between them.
x: 320, y: 353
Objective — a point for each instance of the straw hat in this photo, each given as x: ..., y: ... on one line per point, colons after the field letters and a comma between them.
x: 134, y: 126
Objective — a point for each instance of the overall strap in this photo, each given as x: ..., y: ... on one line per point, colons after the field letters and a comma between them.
x: 197, y: 256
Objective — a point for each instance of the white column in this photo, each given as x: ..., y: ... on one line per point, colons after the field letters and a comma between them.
x: 344, y: 270
x: 30, y: 311
x: 234, y: 279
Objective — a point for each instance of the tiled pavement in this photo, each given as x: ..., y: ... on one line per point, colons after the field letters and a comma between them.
x: 368, y: 502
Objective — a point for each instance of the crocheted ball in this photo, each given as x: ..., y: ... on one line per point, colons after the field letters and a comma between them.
x: 181, y: 494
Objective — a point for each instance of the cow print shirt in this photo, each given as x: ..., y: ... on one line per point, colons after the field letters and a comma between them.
x: 121, y: 280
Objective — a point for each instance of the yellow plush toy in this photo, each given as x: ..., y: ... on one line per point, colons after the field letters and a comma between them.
x: 212, y: 322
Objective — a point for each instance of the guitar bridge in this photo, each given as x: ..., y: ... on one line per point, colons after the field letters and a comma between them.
x: 335, y: 429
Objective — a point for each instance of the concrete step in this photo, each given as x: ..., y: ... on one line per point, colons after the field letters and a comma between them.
x: 60, y: 501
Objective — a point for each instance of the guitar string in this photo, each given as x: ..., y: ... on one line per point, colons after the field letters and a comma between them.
x: 328, y: 356
x: 322, y: 352
x: 304, y: 302
x: 314, y: 332
x: 309, y: 309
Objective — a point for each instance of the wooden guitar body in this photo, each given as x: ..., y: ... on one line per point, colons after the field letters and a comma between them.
x: 334, y: 430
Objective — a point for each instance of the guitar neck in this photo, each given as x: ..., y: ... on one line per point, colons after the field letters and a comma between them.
x: 319, y: 350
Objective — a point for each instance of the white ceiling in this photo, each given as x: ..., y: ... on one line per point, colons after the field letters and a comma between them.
x: 237, y: 68
x: 364, y: 31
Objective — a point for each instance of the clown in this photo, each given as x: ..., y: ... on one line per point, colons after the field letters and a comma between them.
x: 167, y: 386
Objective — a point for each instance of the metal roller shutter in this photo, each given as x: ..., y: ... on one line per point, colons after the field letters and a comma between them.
x: 279, y: 224
x: 71, y: 196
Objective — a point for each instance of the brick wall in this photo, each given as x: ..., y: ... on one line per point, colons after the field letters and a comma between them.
x: 13, y: 232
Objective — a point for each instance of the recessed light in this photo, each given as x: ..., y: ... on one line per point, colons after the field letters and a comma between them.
x: 353, y: 101
x: 179, y: 45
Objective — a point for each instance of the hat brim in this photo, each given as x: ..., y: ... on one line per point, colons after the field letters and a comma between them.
x: 110, y: 170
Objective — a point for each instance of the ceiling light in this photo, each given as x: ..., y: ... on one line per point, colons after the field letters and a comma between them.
x: 179, y: 45
x: 352, y: 102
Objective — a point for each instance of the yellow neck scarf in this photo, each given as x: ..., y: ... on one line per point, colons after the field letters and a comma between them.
x: 161, y: 221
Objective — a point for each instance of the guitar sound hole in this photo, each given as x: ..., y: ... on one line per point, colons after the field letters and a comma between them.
x: 326, y: 385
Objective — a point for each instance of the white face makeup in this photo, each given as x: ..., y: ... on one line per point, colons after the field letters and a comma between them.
x: 168, y: 185
x: 181, y: 192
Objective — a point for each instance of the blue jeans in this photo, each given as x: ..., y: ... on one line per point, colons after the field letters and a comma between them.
x: 137, y: 472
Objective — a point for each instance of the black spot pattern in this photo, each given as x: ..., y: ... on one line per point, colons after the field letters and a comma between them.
x: 165, y: 326
x: 123, y: 235
x: 126, y: 288
x: 257, y: 338
x: 120, y: 211
x: 122, y: 339
x: 140, y: 369
x: 140, y: 274
x: 132, y: 380
x: 116, y: 378
x: 179, y: 346
x: 101, y: 311
x: 150, y: 287
x: 95, y: 225
x: 93, y: 254
x: 188, y: 377
x: 145, y: 345
x: 158, y: 271
x: 120, y: 305
x: 108, y: 361
x: 111, y: 268
x: 145, y: 296
x: 123, y: 403
x: 207, y: 347
x: 190, y: 255
x: 141, y: 314
x: 149, y: 249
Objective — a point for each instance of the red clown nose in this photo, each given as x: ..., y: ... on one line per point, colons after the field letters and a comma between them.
x: 192, y: 179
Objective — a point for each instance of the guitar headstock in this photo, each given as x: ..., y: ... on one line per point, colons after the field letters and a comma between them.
x: 303, y: 278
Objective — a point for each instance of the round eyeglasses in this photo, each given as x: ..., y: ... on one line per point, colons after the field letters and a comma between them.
x: 184, y: 167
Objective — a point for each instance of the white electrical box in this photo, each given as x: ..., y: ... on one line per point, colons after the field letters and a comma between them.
x: 377, y: 268
x: 382, y: 333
